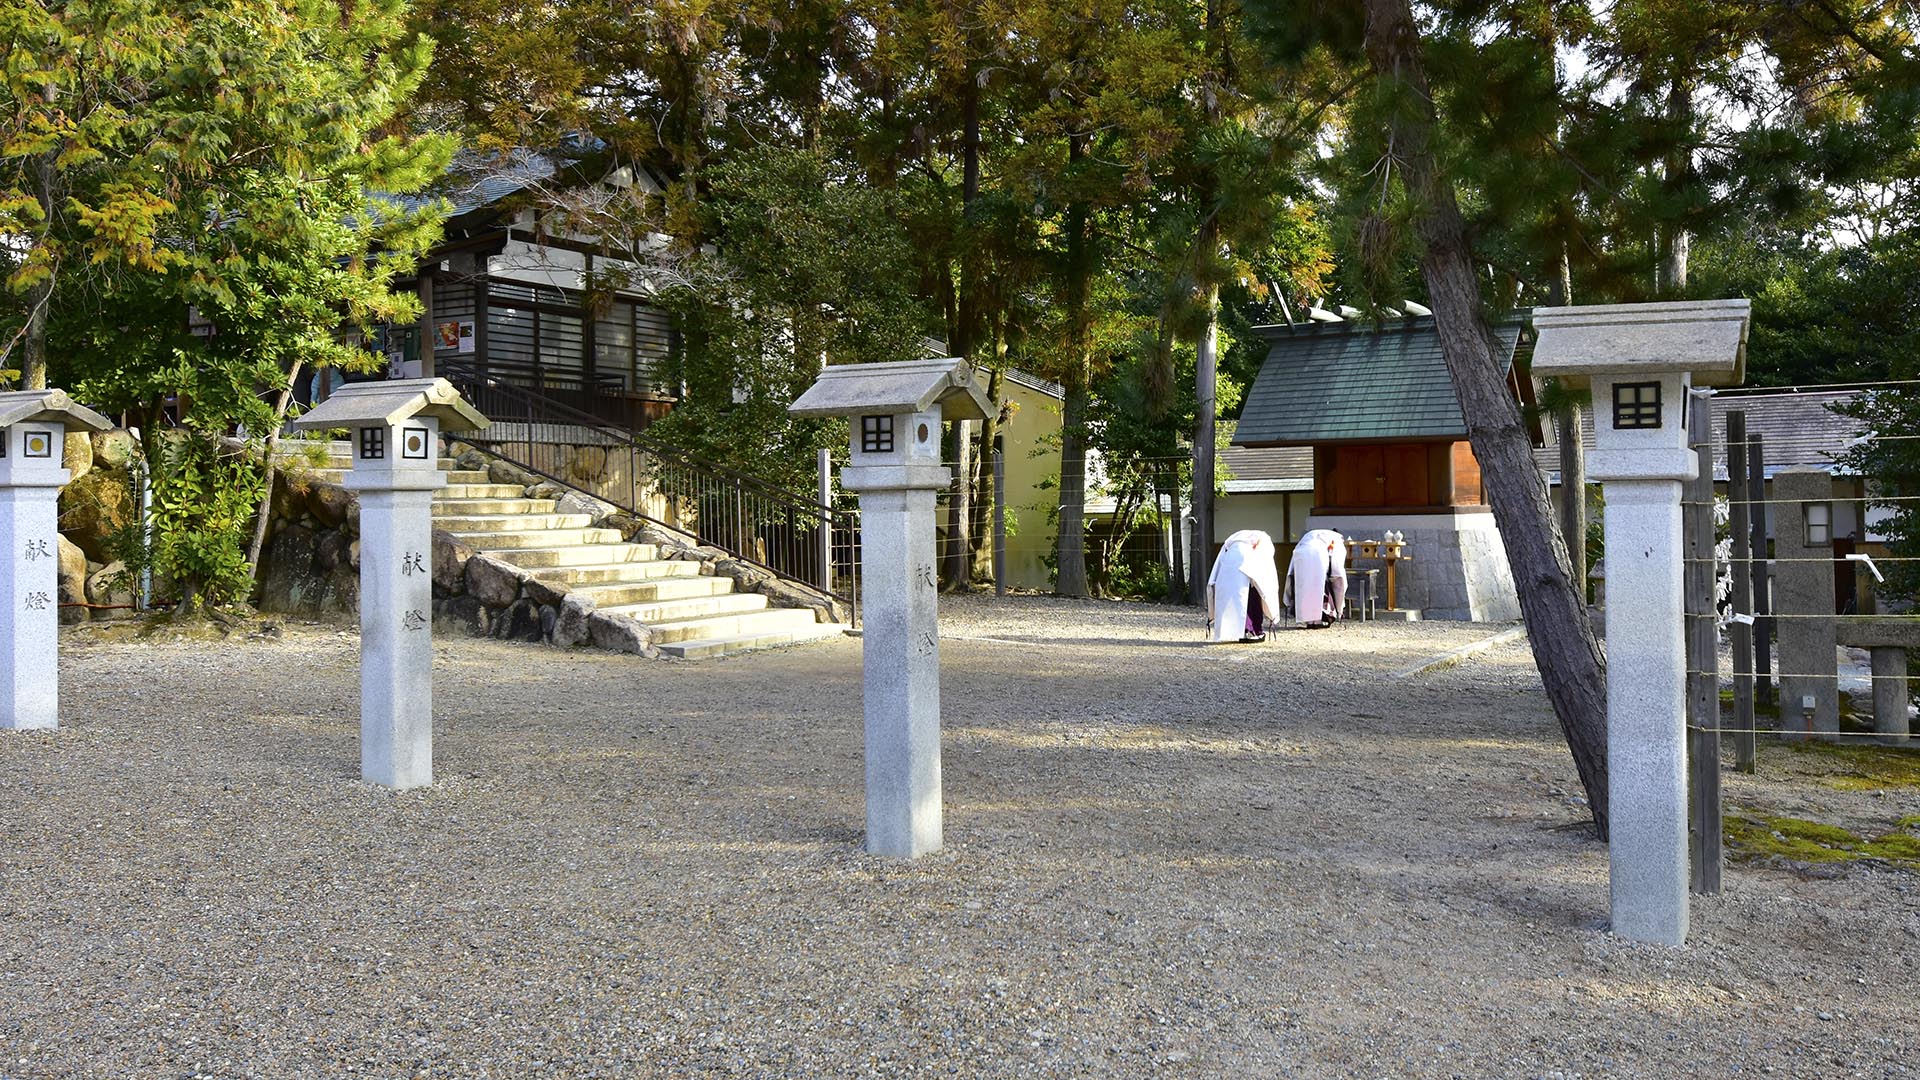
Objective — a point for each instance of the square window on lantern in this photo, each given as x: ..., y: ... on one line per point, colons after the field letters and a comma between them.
x: 373, y: 443
x: 1819, y: 524
x: 1636, y: 405
x: 876, y: 434
x: 414, y: 443
x: 37, y: 444
x: 5, y: 437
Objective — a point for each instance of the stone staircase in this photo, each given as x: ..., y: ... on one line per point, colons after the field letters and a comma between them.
x: 692, y: 615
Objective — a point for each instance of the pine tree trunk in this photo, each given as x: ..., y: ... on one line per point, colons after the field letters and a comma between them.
x: 33, y: 366
x: 264, y: 514
x: 1564, y: 647
x: 1205, y: 429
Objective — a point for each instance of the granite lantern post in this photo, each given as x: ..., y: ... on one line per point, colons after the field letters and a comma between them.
x: 1640, y: 360
x: 394, y: 428
x: 33, y: 435
x: 894, y: 411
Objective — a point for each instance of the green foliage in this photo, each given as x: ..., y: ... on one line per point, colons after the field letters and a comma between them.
x: 238, y: 160
x: 799, y: 280
x: 1892, y: 466
x: 205, y: 492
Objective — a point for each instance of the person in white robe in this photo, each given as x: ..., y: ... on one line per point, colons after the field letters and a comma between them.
x: 1243, y: 575
x: 1316, y: 589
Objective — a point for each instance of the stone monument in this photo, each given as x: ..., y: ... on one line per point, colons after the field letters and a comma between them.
x: 1640, y: 360
x: 894, y: 411
x: 33, y: 436
x: 1804, y: 633
x: 394, y: 428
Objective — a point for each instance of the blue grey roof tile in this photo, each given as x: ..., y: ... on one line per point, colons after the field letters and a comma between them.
x: 1355, y: 382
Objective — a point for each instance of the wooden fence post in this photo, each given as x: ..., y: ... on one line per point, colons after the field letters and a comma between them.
x: 1703, y: 655
x: 1762, y: 586
x: 1741, y: 631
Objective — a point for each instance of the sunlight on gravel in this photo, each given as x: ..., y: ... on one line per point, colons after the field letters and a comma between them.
x: 1163, y: 859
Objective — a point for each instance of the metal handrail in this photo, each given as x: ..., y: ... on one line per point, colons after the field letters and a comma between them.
x: 748, y: 518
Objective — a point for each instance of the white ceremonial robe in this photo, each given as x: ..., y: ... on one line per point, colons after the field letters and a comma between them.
x: 1317, y: 577
x: 1245, y: 563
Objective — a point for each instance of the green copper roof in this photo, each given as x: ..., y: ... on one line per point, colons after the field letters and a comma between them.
x: 1355, y: 382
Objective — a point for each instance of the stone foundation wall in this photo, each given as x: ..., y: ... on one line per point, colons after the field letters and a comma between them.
x: 1458, y: 567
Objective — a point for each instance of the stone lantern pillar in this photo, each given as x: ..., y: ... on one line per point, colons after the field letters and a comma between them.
x: 894, y: 412
x: 393, y: 434
x: 1640, y: 360
x: 33, y: 435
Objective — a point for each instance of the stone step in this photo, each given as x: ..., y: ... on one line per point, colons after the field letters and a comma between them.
x: 743, y: 624
x: 461, y: 524
x: 632, y: 556
x: 692, y: 607
x: 468, y: 476
x: 452, y: 508
x: 479, y: 491
x: 709, y: 648
x: 537, y: 538
x: 634, y: 583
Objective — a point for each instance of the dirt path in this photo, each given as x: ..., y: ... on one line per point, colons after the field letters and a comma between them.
x: 1164, y: 859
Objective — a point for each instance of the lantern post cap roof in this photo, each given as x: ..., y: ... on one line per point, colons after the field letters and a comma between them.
x: 26, y: 406
x: 390, y: 402
x: 1705, y: 338
x: 904, y: 386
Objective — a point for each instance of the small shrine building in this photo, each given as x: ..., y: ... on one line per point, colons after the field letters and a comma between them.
x: 1376, y: 406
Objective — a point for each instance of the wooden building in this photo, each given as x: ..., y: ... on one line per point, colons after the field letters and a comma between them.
x: 511, y: 296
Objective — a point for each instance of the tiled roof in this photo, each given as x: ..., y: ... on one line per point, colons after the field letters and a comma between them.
x: 1258, y: 469
x: 1348, y: 382
x: 1796, y: 428
x: 1034, y: 382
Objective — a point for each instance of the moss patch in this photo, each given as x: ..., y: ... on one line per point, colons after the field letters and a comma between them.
x: 1865, y: 768
x: 1750, y: 837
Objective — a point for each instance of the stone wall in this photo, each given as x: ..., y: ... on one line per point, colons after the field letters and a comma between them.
x: 96, y: 503
x: 1458, y: 567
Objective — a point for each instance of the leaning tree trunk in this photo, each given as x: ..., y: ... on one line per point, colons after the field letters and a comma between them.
x: 1564, y: 647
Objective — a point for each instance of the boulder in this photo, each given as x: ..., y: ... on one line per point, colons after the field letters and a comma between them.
x: 547, y: 489
x: 788, y: 594
x: 95, y: 507
x: 494, y: 582
x: 332, y: 552
x: 329, y: 503
x: 501, y: 472
x: 672, y: 544
x: 579, y: 502
x: 571, y: 627
x: 470, y: 460
x: 587, y: 463
x: 110, y: 585
x: 78, y: 454
x: 461, y: 612
x: 449, y: 563
x: 621, y: 633
x: 113, y: 449
x: 521, y: 622
x: 746, y: 576
x: 292, y: 580
x: 546, y: 593
x: 72, y: 581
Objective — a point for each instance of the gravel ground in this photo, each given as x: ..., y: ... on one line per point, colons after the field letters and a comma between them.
x: 1163, y: 859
